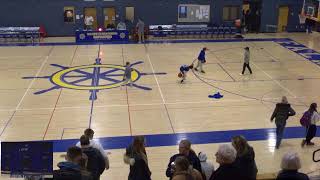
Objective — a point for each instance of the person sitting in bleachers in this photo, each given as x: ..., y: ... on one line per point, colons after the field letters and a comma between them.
x: 184, y: 150
x: 71, y: 168
x: 95, y: 144
x: 290, y: 165
x: 227, y: 170
x: 245, y: 157
x: 184, y: 171
x: 96, y: 162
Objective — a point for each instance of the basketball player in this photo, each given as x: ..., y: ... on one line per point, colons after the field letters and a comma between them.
x: 127, y: 74
x: 246, y: 61
x: 201, y: 59
x: 183, y: 71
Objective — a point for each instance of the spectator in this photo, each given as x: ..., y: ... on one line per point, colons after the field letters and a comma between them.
x: 184, y: 150
x: 312, y: 127
x: 227, y: 170
x: 121, y: 26
x: 136, y: 157
x: 88, y: 21
x: 71, y: 169
x: 206, y: 167
x: 281, y: 113
x: 245, y: 157
x: 96, y: 144
x: 140, y: 27
x: 111, y: 26
x: 290, y: 165
x: 96, y: 162
x: 184, y: 171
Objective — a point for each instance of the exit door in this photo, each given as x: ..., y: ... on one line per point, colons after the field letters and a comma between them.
x: 283, y: 18
x: 93, y: 13
x: 109, y: 17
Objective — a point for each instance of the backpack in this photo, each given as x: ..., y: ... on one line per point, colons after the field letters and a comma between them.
x: 305, y: 120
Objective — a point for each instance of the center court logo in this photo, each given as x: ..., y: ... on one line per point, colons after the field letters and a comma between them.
x: 92, y: 78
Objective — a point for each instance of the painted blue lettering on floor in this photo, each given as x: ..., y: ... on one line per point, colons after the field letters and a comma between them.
x: 302, y: 50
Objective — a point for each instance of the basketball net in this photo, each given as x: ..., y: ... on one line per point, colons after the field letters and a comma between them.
x: 302, y: 18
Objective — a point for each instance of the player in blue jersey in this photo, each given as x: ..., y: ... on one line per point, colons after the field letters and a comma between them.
x: 201, y: 59
x: 183, y: 71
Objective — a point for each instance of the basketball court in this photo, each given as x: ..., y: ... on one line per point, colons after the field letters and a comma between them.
x: 55, y: 92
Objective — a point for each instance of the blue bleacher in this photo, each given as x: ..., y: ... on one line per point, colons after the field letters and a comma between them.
x: 194, y: 31
x: 19, y: 34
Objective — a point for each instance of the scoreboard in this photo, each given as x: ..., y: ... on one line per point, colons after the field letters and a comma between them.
x: 27, y: 158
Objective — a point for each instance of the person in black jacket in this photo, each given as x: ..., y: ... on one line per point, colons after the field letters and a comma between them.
x: 245, y: 157
x: 184, y: 150
x: 96, y: 163
x: 136, y: 157
x: 290, y: 165
x: 226, y: 156
x: 281, y: 113
x: 71, y: 169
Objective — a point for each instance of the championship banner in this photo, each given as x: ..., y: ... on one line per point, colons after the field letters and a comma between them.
x: 102, y: 36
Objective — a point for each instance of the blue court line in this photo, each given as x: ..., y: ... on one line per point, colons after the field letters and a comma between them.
x: 147, y: 42
x: 158, y: 140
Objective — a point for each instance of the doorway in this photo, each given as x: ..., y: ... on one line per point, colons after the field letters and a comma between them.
x: 109, y: 14
x: 283, y: 18
x: 91, y: 12
x: 252, y: 14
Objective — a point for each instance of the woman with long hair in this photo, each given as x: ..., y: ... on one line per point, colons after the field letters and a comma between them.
x: 245, y: 159
x: 136, y: 157
x: 312, y: 128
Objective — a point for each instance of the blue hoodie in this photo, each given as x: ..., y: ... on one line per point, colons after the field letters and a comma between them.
x: 67, y: 171
x: 202, y: 56
x: 184, y: 69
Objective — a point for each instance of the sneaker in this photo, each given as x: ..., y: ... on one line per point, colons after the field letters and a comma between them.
x: 195, y: 69
x: 303, y: 143
x: 241, y: 74
x: 203, y: 71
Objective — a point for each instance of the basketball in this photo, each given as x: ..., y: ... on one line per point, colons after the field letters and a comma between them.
x: 238, y: 23
x: 180, y: 75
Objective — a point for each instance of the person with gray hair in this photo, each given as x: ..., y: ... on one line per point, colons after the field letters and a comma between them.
x: 281, y: 113
x: 226, y: 156
x: 290, y: 165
